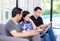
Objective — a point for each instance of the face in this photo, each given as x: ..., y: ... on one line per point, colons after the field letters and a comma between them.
x: 38, y: 12
x: 19, y: 16
x: 26, y: 18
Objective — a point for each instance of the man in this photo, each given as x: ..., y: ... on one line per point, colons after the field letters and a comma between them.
x: 14, y: 29
x: 39, y: 23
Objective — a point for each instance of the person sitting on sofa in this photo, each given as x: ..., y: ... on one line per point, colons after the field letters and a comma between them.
x: 27, y: 23
x: 37, y: 19
x: 14, y: 29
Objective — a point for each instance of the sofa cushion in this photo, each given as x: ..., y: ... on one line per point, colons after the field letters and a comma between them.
x: 8, y: 38
x: 2, y: 29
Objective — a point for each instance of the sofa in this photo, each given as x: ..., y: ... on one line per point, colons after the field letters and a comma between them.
x: 4, y: 37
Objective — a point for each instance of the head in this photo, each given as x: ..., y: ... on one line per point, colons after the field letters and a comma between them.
x: 37, y: 11
x: 26, y: 15
x: 16, y: 13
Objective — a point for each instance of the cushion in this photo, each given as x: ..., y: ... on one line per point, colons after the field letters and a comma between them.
x: 2, y: 29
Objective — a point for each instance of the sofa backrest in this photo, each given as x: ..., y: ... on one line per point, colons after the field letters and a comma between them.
x: 3, y: 29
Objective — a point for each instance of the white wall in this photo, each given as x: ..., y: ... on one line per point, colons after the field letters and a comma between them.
x: 0, y: 11
x: 29, y: 4
x: 8, y: 5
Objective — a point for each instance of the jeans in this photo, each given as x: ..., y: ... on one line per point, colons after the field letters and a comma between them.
x: 51, y: 34
x: 35, y: 37
x: 45, y: 37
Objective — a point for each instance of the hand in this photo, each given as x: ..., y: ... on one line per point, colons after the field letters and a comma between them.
x: 42, y: 26
x: 40, y: 30
x: 34, y: 32
x: 24, y: 31
x: 49, y: 24
x: 30, y: 20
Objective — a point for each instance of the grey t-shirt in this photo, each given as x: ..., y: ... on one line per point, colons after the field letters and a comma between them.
x: 10, y: 26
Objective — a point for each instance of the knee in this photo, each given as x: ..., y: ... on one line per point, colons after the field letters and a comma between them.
x: 47, y: 35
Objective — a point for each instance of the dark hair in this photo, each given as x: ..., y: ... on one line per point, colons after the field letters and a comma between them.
x: 15, y: 11
x: 24, y: 14
x: 36, y: 8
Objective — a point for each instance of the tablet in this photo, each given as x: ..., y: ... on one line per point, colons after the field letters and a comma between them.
x: 45, y: 30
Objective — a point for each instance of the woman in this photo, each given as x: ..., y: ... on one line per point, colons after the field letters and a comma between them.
x: 26, y: 22
x: 27, y: 25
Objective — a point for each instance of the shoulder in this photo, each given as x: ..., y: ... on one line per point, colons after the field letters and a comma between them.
x: 31, y: 16
x: 39, y: 17
x: 10, y: 24
x: 21, y: 23
x: 29, y: 23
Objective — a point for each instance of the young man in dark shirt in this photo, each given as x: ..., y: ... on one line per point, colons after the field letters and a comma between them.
x: 37, y: 19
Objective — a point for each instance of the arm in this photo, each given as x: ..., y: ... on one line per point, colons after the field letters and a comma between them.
x: 43, y: 26
x: 32, y: 23
x: 23, y: 34
x: 34, y: 26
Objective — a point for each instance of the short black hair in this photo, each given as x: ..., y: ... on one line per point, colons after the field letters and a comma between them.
x: 36, y: 8
x: 15, y: 11
x: 24, y: 13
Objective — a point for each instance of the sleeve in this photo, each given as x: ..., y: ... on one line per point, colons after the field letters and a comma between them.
x: 42, y: 21
x: 31, y: 17
x: 10, y: 27
x: 31, y: 26
x: 20, y: 23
